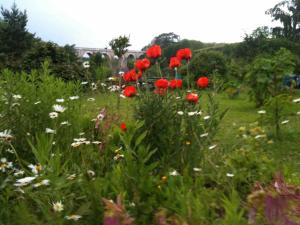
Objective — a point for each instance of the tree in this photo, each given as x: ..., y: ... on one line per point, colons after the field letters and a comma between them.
x: 286, y: 12
x: 265, y: 79
x: 254, y: 44
x: 15, y: 40
x: 64, y: 61
x: 166, y: 39
x: 119, y: 45
x: 265, y: 76
x: 205, y: 63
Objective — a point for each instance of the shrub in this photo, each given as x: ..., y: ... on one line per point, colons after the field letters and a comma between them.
x: 205, y: 63
x: 178, y: 129
x: 265, y: 79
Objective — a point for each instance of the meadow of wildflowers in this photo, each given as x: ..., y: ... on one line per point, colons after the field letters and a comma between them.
x: 142, y: 156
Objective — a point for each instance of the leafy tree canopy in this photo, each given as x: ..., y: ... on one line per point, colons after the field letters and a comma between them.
x: 287, y: 13
x: 15, y: 40
x: 119, y: 45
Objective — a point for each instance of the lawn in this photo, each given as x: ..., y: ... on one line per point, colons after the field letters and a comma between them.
x: 241, y: 112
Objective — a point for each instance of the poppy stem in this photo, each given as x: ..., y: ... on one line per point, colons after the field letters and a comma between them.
x: 188, y: 74
x: 158, y: 69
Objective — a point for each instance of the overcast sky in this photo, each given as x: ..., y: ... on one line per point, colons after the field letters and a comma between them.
x: 93, y: 23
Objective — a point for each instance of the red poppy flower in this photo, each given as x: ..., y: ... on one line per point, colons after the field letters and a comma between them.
x: 175, y: 84
x: 202, y: 82
x: 174, y: 62
x: 129, y: 91
x: 142, y: 64
x: 192, y: 97
x: 153, y: 52
x: 161, y: 83
x: 184, y: 53
x: 123, y: 126
x: 134, y: 75
x: 127, y: 76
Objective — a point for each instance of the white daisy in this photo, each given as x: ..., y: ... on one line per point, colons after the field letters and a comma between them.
x: 296, y: 100
x: 17, y: 96
x: 24, y: 181
x: 60, y: 100
x: 53, y: 115
x: 65, y: 123
x: 204, y: 135
x: 180, y: 113
x: 206, y: 117
x: 76, y: 144
x: 261, y: 112
x: 84, y: 82
x: 6, y: 135
x: 174, y: 173
x: 132, y: 204
x: 118, y: 156
x: 18, y: 173
x: 114, y: 88
x: 15, y: 104
x: 79, y: 139
x: 86, y: 64
x: 5, y: 165
x: 197, y: 169
x: 50, y: 131
x: 57, y: 206
x: 45, y: 182
x: 58, y: 108
x: 73, y: 217
x: 285, y: 122
x: 74, y: 97
x: 91, y: 173
x: 192, y: 113
x: 10, y: 151
x: 35, y: 168
x: 212, y: 147
x: 71, y: 177
x: 229, y: 174
x: 94, y: 86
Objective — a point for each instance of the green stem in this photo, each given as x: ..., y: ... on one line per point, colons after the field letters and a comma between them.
x: 17, y: 156
x: 158, y: 69
x: 188, y: 74
x: 277, y: 118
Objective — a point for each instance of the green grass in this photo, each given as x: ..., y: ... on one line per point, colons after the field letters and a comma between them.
x: 241, y: 112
